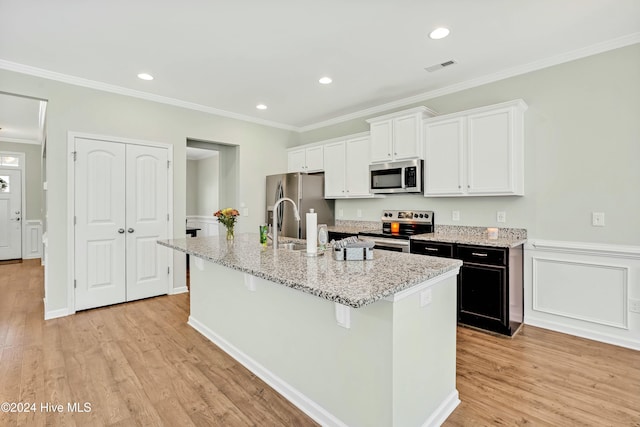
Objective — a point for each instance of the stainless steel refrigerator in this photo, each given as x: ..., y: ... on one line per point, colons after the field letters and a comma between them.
x: 307, y: 191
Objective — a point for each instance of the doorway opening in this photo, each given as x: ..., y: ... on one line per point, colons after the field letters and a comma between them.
x: 212, y: 183
x: 22, y: 198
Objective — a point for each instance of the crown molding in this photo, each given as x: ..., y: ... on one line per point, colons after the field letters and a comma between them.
x: 490, y: 78
x: 105, y: 87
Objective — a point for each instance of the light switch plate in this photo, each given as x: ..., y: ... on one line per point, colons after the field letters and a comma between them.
x: 340, y: 213
x: 359, y: 213
x: 455, y: 215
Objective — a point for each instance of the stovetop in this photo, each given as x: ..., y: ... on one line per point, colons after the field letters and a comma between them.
x: 403, y: 224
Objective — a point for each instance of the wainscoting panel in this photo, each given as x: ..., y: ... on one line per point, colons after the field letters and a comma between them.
x: 583, y: 289
x: 208, y: 225
x: 586, y: 291
x: 32, y: 247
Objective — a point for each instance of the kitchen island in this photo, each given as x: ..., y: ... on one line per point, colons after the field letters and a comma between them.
x: 349, y: 342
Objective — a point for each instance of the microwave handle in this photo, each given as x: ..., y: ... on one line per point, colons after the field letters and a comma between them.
x: 402, y: 181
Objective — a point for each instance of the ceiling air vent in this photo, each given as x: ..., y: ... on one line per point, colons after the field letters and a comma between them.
x: 440, y: 66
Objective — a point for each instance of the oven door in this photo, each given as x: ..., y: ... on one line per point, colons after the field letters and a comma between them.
x: 396, y: 245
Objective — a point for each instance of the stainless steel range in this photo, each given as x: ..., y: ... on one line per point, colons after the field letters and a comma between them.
x: 398, y: 227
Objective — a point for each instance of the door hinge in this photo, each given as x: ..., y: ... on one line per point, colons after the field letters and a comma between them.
x: 168, y: 270
x: 75, y: 283
x: 167, y: 217
x: 75, y: 220
x: 168, y: 163
x: 75, y: 155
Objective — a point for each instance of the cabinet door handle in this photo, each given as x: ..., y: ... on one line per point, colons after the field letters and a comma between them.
x: 131, y: 230
x: 479, y: 254
x: 121, y: 230
x: 431, y: 249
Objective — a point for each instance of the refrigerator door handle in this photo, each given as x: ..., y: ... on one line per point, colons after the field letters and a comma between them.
x: 279, y: 195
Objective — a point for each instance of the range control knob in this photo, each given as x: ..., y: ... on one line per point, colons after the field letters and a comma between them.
x: 421, y: 215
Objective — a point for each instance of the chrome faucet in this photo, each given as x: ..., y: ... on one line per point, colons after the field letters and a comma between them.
x: 275, y: 218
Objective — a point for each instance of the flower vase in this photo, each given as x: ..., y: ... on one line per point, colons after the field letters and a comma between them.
x: 229, y: 233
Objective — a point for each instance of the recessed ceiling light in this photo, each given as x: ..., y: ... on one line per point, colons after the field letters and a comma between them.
x: 261, y: 107
x: 145, y: 76
x: 325, y: 80
x: 439, y: 33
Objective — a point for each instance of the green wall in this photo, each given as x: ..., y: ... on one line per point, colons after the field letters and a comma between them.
x: 79, y: 109
x: 582, y: 145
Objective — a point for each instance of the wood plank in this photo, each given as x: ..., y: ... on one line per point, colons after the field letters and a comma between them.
x: 141, y: 364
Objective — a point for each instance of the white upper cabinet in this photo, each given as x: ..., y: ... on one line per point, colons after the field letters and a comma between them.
x: 478, y: 152
x: 444, y: 157
x: 398, y: 136
x: 306, y: 159
x: 347, y: 168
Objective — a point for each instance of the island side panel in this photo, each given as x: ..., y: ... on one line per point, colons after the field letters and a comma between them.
x: 394, y: 366
x: 295, y: 336
x: 424, y: 356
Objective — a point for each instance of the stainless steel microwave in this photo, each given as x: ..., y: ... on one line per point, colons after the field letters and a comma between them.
x: 396, y: 177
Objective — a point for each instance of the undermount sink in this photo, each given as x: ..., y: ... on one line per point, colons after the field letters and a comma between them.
x: 292, y: 246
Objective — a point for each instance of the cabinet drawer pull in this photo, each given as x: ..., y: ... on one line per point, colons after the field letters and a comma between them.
x: 479, y: 254
x: 431, y: 249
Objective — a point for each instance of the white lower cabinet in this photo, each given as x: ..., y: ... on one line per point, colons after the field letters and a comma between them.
x: 477, y: 152
x: 346, y: 168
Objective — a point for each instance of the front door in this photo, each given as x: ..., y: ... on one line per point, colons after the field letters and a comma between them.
x: 10, y: 214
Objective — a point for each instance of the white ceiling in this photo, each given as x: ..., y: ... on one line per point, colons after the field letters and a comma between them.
x: 228, y: 56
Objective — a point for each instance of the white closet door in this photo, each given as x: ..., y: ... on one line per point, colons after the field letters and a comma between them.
x: 146, y: 199
x: 100, y: 223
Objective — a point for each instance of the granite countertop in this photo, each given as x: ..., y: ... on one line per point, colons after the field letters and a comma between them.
x: 352, y: 283
x: 507, y: 237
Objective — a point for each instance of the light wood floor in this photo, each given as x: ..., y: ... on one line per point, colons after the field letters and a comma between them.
x: 140, y: 364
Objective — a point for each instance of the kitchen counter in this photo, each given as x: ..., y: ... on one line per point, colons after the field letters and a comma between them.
x: 471, y: 239
x: 351, y: 343
x: 352, y: 283
x: 507, y: 237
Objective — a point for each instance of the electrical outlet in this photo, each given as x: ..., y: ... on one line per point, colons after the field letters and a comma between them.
x: 359, y: 213
x: 634, y: 305
x: 501, y: 216
x: 597, y: 219
x: 340, y: 213
x: 425, y: 297
x: 455, y: 215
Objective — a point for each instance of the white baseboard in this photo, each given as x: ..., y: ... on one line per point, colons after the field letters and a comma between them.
x: 443, y: 411
x: 306, y: 405
x: 54, y: 314
x: 180, y: 290
x: 583, y: 333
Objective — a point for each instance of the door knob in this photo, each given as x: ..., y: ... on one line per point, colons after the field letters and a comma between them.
x: 131, y: 230
x: 121, y: 230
